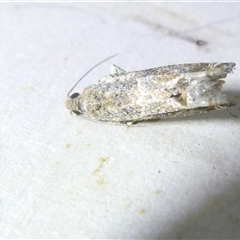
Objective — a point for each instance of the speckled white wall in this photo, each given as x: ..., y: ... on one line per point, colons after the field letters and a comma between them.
x: 67, y: 177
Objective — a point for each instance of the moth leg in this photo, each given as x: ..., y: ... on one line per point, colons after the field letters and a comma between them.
x: 115, y: 69
x: 130, y: 124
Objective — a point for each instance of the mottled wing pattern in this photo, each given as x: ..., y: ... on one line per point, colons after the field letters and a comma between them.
x: 175, y: 90
x: 158, y: 92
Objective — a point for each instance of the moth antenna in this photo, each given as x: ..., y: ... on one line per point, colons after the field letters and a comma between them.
x: 68, y: 94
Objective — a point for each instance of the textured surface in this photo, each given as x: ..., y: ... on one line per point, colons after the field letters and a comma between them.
x: 155, y: 93
x: 67, y: 177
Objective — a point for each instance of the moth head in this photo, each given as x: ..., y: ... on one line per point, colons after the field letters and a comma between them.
x: 73, y: 103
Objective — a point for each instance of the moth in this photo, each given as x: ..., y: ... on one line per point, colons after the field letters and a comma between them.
x: 155, y: 93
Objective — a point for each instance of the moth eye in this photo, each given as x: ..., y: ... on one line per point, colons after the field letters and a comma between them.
x: 74, y: 95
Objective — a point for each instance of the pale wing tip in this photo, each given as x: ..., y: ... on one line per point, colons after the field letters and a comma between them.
x: 220, y: 70
x: 228, y: 67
